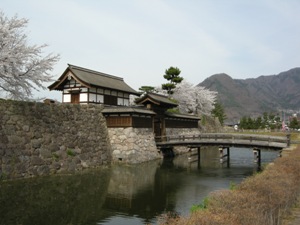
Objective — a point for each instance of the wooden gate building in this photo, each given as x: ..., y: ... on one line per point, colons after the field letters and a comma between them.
x: 163, y: 119
x: 85, y: 86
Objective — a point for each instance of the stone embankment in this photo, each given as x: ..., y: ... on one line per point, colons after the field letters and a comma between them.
x: 184, y: 132
x: 41, y: 139
x: 133, y: 145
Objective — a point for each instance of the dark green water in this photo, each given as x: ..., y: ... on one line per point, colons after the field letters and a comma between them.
x: 123, y: 195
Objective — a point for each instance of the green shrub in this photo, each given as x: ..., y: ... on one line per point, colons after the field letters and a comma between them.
x: 55, y: 156
x: 3, y: 176
x: 201, y: 206
x: 232, y: 186
x: 70, y: 152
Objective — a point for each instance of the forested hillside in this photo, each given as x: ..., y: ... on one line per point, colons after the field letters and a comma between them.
x: 253, y: 96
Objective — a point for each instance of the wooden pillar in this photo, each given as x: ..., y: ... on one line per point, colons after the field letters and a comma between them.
x: 221, y: 153
x: 199, y: 157
x: 288, y: 140
x: 228, y: 157
x: 224, y: 157
x: 163, y: 127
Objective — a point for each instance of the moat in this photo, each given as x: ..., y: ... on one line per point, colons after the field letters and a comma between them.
x: 123, y: 194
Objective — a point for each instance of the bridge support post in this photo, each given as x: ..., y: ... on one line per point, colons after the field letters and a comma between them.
x: 199, y: 157
x: 257, y: 156
x: 192, y: 157
x: 221, y: 154
x: 224, y: 156
x: 288, y: 140
x: 228, y: 157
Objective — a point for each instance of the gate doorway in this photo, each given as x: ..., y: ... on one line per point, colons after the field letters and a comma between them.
x: 75, y: 98
x: 157, y: 127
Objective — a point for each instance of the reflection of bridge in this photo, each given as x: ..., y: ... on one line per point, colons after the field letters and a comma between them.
x: 225, y: 141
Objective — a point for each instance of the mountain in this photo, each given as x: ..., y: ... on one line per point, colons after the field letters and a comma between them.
x: 254, y: 96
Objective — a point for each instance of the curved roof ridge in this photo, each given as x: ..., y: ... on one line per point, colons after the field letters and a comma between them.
x: 94, y: 72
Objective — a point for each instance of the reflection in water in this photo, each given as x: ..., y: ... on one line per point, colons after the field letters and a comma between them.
x: 122, y: 194
x: 75, y: 199
x: 133, y: 191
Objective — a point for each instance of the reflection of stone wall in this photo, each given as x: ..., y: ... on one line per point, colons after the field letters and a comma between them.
x: 182, y: 131
x: 59, y: 200
x: 41, y: 139
x: 133, y: 145
x: 127, y: 181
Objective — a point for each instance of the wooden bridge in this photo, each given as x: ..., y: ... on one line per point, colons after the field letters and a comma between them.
x: 225, y: 139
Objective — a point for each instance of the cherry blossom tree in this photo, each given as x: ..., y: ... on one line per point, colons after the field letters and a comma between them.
x: 23, y: 67
x: 194, y: 99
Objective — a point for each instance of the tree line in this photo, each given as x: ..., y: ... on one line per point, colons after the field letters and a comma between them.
x: 268, y: 120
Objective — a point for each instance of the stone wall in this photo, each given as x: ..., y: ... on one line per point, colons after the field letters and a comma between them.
x: 133, y: 145
x: 182, y: 131
x: 40, y: 139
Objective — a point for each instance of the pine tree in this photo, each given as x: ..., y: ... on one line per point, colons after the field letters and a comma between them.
x: 147, y: 89
x: 219, y: 112
x: 172, y: 75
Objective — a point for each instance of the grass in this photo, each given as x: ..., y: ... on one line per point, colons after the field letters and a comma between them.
x: 232, y: 186
x: 205, y: 202
x: 294, y: 135
x: 201, y: 206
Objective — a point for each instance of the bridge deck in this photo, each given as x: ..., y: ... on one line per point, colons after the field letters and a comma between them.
x: 231, y: 140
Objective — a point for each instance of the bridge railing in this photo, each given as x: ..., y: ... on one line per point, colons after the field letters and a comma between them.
x: 226, y: 137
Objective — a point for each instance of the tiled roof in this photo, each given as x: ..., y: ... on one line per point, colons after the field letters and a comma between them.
x: 93, y: 78
x: 157, y: 99
x: 127, y: 109
x: 186, y: 116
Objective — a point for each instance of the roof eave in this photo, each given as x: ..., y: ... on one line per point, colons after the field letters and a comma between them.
x: 63, y: 77
x: 58, y: 81
x: 176, y: 115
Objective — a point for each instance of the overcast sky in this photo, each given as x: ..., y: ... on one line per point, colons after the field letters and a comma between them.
x: 139, y: 39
